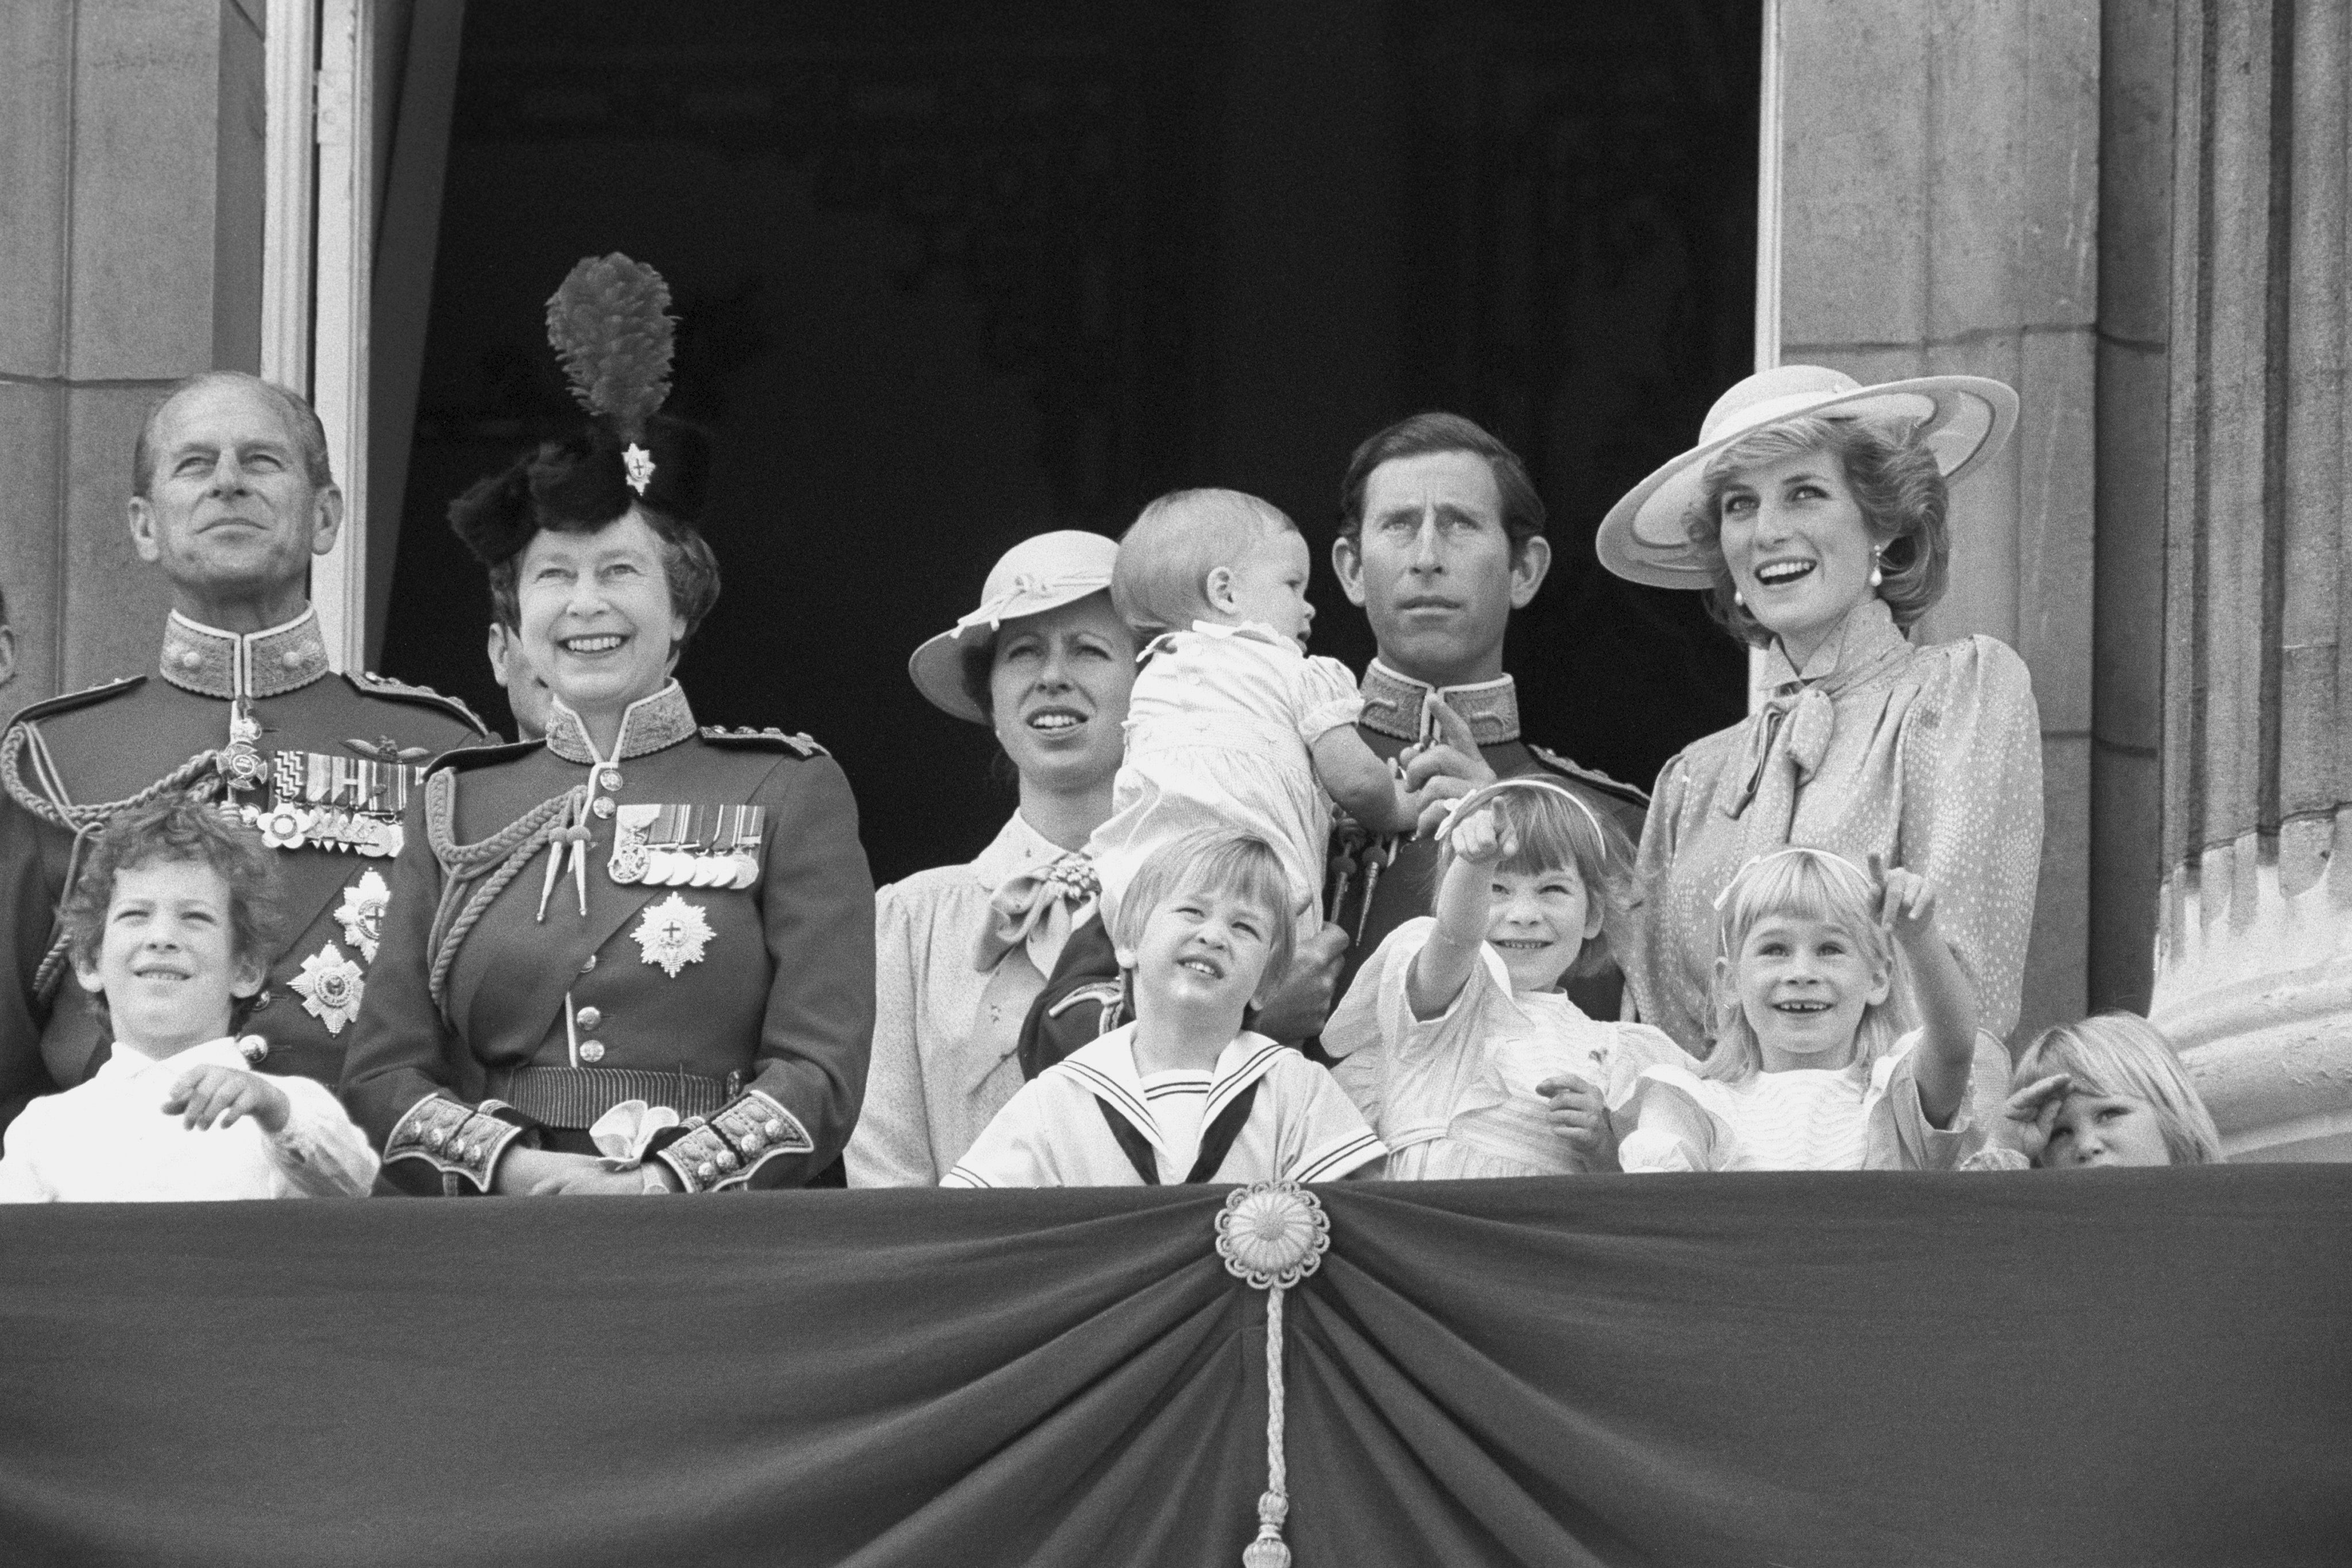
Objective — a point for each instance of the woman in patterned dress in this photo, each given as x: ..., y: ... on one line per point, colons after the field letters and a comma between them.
x: 1813, y: 512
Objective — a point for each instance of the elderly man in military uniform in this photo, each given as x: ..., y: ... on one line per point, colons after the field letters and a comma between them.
x: 1441, y: 538
x: 232, y: 498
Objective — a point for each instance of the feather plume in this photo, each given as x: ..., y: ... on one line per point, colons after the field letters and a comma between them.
x: 611, y: 324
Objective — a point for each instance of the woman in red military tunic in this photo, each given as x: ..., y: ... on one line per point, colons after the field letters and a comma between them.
x: 637, y: 957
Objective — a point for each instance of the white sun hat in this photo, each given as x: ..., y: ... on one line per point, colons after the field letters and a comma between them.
x: 1038, y: 574
x: 1963, y: 420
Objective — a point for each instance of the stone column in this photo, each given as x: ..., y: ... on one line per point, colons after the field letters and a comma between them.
x: 131, y: 180
x: 1939, y: 213
x: 2255, y: 947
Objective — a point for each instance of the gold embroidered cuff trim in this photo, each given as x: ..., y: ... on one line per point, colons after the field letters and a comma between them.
x: 744, y: 1135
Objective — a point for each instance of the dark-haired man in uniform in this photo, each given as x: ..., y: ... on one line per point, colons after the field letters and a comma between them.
x: 1441, y: 538
x: 232, y: 497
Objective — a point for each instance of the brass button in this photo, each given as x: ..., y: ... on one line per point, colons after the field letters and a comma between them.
x: 750, y: 1142
x: 725, y: 1161
x: 191, y: 660
x: 589, y: 965
x: 592, y: 1051
x: 292, y: 658
x: 610, y: 778
x: 588, y: 1018
x: 601, y: 805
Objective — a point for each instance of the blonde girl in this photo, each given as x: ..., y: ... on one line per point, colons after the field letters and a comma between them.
x: 1458, y: 1041
x: 2107, y: 1092
x: 1808, y: 1066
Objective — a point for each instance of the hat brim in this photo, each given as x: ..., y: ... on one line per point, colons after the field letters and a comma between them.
x: 937, y: 667
x: 1965, y: 421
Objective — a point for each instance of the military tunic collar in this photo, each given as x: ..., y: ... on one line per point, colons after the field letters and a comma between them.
x: 647, y: 725
x: 1392, y: 705
x: 216, y: 663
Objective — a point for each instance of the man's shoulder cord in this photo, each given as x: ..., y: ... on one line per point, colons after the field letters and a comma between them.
x: 52, y: 805
x: 502, y: 856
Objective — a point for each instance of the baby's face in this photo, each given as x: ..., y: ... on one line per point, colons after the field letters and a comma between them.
x: 1269, y: 584
x: 2104, y: 1130
x: 166, y: 960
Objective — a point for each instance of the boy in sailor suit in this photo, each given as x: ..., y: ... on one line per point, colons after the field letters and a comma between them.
x: 1184, y: 1093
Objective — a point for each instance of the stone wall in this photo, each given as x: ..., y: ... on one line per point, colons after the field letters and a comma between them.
x: 2254, y: 949
x: 132, y: 253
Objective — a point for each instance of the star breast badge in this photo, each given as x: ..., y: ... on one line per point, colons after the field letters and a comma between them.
x: 361, y: 912
x: 673, y: 935
x: 331, y: 987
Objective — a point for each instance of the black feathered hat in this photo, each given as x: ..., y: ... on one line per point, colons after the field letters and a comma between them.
x: 610, y: 323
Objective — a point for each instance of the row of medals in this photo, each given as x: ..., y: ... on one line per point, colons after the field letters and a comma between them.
x: 687, y: 846
x: 311, y: 798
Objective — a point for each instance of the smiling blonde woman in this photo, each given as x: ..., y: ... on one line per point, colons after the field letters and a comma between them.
x: 1813, y: 513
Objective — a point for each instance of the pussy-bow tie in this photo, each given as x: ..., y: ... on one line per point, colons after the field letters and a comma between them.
x: 1036, y: 909
x: 1795, y: 721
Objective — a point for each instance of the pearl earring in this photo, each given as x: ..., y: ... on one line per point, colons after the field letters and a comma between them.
x: 1736, y: 598
x: 1876, y: 576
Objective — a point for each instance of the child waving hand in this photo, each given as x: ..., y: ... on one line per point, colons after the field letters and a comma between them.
x: 1807, y: 1069
x: 1458, y: 1042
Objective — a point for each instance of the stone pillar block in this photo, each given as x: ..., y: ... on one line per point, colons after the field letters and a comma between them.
x: 131, y: 183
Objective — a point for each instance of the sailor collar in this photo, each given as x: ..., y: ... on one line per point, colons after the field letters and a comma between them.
x: 1392, y: 706
x: 1105, y: 1067
x: 216, y: 663
x: 647, y: 725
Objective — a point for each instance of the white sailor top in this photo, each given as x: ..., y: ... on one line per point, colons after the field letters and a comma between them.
x: 1091, y: 1120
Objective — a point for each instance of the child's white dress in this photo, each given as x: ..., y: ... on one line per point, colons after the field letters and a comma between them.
x: 1454, y: 1096
x: 1218, y: 729
x: 1808, y: 1119
x: 110, y: 1141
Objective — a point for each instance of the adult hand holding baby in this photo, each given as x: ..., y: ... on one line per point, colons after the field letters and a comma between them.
x: 1298, y: 1007
x: 1444, y: 768
x: 212, y: 1093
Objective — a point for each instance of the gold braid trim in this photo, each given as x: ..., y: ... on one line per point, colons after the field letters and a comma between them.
x: 51, y: 806
x: 512, y: 848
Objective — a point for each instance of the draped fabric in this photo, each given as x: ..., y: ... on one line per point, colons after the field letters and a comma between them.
x: 2125, y: 1368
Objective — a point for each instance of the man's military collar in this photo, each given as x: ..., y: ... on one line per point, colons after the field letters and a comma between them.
x: 1392, y: 705
x: 216, y: 663
x: 647, y: 725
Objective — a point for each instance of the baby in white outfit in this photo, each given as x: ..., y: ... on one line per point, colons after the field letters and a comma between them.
x: 1232, y: 725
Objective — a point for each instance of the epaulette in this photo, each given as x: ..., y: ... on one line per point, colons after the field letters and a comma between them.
x: 1591, y: 776
x: 66, y: 701
x: 466, y: 757
x: 769, y: 739
x: 372, y: 685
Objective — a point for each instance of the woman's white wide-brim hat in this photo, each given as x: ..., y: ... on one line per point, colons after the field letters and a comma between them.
x: 1036, y: 575
x: 1963, y: 420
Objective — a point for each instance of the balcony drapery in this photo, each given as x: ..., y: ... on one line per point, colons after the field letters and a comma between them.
x: 1828, y: 1369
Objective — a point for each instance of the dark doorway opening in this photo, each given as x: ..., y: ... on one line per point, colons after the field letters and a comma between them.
x: 951, y: 275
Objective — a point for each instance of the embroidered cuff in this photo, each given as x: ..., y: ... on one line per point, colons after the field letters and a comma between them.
x: 461, y: 1141
x: 745, y: 1135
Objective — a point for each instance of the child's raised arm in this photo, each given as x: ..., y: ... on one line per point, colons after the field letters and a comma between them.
x: 1947, y: 1000
x: 1463, y: 903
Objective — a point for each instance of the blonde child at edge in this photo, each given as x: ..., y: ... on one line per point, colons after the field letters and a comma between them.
x: 2104, y: 1093
x: 1458, y: 1043
x: 1184, y: 1093
x: 1233, y: 726
x: 170, y: 922
x: 1805, y: 1071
